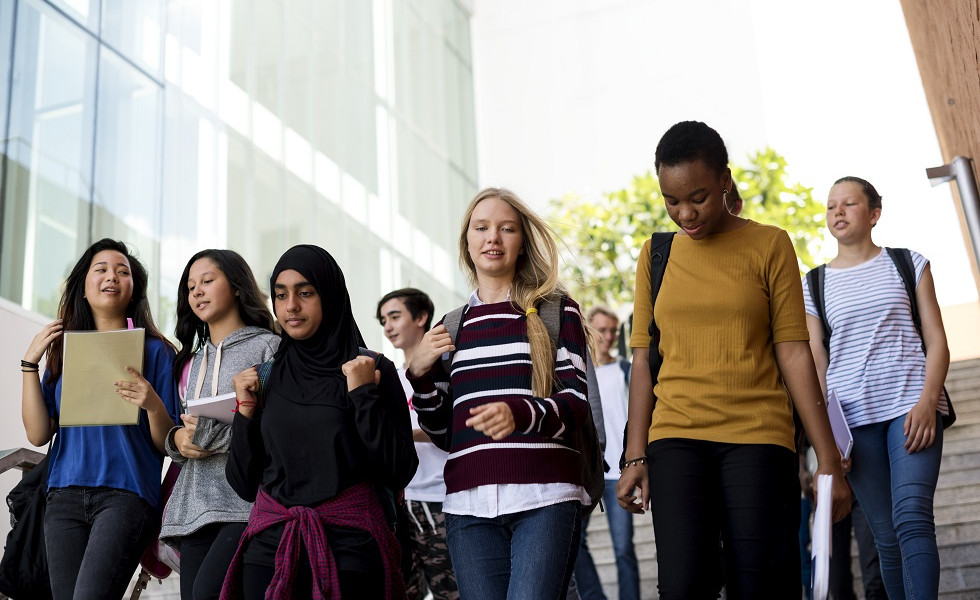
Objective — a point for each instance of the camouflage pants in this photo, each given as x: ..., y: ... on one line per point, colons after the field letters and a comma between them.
x: 431, y: 568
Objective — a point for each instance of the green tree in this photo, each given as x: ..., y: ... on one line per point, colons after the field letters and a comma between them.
x: 601, y: 241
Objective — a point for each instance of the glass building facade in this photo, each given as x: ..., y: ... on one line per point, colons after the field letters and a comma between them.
x: 178, y: 125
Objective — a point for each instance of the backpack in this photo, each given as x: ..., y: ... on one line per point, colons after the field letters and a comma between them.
x: 390, y: 499
x: 906, y: 269
x: 24, y: 567
x: 584, y: 439
x: 659, y: 253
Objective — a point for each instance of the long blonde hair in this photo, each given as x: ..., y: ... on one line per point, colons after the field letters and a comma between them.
x: 535, y: 280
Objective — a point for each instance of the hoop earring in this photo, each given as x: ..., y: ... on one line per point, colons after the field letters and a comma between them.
x: 724, y: 200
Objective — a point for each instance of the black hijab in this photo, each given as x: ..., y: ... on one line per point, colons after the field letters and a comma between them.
x: 309, y: 371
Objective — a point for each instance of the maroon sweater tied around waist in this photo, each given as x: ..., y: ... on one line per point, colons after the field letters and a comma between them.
x: 356, y: 507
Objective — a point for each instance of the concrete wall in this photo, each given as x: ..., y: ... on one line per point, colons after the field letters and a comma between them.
x: 945, y: 36
x: 18, y: 328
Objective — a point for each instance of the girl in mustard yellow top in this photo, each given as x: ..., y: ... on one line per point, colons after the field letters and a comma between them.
x: 716, y: 456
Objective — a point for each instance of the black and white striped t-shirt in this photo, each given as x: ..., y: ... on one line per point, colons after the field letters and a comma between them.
x: 877, y: 365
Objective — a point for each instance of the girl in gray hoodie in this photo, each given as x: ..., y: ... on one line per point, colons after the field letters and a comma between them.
x: 224, y: 327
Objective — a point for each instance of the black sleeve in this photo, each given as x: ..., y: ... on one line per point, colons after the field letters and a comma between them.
x: 384, y: 426
x: 246, y: 457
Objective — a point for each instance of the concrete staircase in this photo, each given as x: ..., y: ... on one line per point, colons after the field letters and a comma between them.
x: 957, y: 507
x: 958, y: 493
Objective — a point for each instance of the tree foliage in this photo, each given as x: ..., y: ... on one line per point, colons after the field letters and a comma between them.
x: 601, y: 241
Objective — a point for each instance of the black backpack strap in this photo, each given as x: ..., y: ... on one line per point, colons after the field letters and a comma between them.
x: 453, y: 321
x: 660, y: 244
x: 814, y: 281
x: 368, y: 352
x: 906, y: 268
x: 264, y: 371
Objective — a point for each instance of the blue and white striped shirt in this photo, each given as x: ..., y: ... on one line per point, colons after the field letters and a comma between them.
x: 877, y: 365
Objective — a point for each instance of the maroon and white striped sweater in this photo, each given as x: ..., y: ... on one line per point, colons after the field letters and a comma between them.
x: 492, y: 363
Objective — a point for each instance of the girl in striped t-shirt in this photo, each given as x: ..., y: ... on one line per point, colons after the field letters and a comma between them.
x: 506, y: 408
x: 891, y: 389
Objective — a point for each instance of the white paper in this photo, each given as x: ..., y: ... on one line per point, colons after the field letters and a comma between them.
x: 220, y: 407
x: 821, y: 539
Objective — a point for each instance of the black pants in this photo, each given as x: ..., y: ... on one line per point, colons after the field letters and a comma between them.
x: 353, y: 584
x: 204, y: 559
x: 747, y: 493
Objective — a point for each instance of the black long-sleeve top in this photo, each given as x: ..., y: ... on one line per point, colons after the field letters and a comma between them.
x: 305, y: 454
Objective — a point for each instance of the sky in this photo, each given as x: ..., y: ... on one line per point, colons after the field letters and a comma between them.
x: 573, y: 95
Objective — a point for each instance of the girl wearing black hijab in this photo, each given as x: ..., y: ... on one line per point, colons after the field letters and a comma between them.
x: 311, y: 444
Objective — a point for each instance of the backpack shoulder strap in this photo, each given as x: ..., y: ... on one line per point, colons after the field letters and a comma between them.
x: 453, y: 320
x: 906, y: 268
x: 814, y: 281
x: 550, y: 313
x: 625, y: 366
x: 659, y: 254
x: 368, y: 352
x: 264, y: 370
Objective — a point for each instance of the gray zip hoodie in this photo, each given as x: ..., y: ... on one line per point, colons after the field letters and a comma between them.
x: 202, y: 495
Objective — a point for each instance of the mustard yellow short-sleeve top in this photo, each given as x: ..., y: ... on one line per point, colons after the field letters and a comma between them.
x: 724, y: 303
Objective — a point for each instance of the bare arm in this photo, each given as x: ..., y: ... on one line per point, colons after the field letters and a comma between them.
x: 799, y: 374
x: 38, y: 424
x: 920, y: 423
x: 637, y: 432
x: 820, y: 357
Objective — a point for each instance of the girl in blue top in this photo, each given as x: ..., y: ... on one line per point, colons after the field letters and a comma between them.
x: 103, y: 502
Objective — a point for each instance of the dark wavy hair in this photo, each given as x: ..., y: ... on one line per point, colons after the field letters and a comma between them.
x: 688, y: 141
x: 415, y: 300
x: 869, y: 191
x: 191, y: 331
x: 74, y: 309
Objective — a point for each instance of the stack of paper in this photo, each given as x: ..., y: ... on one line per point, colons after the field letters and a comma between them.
x: 821, y: 541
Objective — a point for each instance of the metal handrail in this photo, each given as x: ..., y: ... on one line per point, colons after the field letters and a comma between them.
x: 22, y: 459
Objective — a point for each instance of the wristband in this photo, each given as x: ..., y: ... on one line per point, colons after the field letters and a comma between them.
x: 636, y: 461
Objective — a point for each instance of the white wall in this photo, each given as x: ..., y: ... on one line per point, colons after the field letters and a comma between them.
x: 19, y: 327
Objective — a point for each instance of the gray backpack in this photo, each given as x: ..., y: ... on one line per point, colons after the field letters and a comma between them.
x: 585, y: 439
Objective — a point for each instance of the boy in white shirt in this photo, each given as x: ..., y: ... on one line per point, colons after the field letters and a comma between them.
x: 613, y: 376
x: 406, y: 315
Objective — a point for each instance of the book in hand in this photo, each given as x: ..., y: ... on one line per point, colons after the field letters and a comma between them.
x: 838, y: 423
x: 221, y: 407
x: 93, y: 362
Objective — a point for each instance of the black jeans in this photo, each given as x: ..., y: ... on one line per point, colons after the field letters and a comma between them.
x: 94, y: 537
x: 204, y: 559
x: 353, y: 584
x: 747, y: 493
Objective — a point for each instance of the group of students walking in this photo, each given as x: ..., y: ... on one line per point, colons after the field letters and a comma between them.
x: 342, y: 475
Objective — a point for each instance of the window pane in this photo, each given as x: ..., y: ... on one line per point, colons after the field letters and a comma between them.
x: 48, y: 157
x: 135, y: 28
x: 128, y: 149
x: 127, y: 163
x: 85, y: 12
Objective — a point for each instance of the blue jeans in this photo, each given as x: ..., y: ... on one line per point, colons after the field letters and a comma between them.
x: 94, y: 538
x: 621, y: 532
x: 527, y: 555
x: 897, y: 490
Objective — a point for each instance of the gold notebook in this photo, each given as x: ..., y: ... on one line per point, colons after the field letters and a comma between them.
x: 93, y: 362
